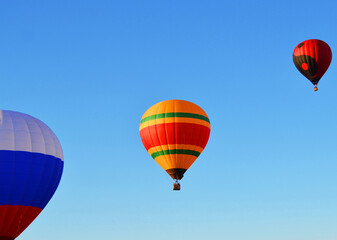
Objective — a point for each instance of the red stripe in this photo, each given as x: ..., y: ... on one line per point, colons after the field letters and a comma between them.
x: 15, y: 219
x: 175, y: 133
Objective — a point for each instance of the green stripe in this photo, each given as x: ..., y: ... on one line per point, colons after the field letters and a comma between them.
x: 174, y: 114
x: 175, y: 151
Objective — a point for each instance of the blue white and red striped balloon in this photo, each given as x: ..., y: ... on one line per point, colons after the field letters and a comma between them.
x: 31, y: 165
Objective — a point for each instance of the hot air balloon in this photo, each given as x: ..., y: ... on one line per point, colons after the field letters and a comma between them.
x: 175, y: 132
x: 31, y: 165
x: 312, y: 58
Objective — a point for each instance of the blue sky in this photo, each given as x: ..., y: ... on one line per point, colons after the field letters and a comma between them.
x: 90, y: 69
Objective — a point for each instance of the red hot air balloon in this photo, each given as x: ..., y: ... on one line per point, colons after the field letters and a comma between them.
x: 312, y: 58
x: 175, y: 132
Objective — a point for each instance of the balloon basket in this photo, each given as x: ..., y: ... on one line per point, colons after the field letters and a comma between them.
x: 315, y: 88
x: 176, y: 186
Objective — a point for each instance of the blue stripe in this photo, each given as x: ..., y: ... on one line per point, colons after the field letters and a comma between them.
x: 28, y: 179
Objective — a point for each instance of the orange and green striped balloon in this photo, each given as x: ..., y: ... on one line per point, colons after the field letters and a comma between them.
x: 175, y: 132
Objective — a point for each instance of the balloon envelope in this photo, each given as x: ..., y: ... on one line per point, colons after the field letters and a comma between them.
x: 174, y: 133
x: 31, y: 165
x: 312, y: 58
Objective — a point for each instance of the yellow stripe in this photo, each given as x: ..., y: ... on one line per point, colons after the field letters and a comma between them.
x: 174, y: 119
x: 175, y: 146
x: 175, y: 161
x: 174, y: 106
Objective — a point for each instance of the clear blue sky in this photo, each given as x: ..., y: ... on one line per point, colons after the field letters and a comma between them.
x: 90, y: 69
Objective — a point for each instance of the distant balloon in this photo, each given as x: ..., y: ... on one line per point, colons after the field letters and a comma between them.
x: 312, y: 58
x: 31, y: 165
x: 175, y: 132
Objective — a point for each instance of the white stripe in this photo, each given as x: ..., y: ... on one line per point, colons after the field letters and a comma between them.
x: 21, y: 132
